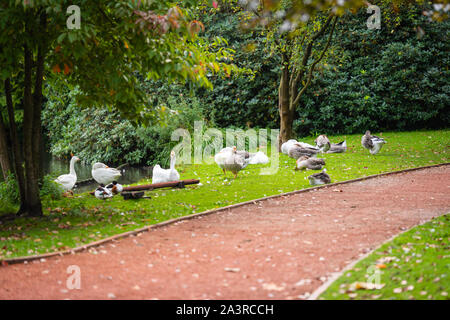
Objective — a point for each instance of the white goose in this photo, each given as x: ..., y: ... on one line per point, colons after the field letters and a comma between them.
x: 104, y: 174
x: 250, y: 158
x: 230, y: 159
x: 166, y: 175
x: 67, y: 181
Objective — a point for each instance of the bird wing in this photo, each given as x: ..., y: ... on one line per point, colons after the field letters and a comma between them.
x: 65, y: 179
x: 315, y: 161
x: 259, y: 157
x: 160, y: 174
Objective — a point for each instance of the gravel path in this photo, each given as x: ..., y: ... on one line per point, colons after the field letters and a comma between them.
x: 281, y: 248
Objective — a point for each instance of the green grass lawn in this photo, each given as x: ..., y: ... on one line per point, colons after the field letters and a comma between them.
x: 414, y: 265
x: 71, y: 222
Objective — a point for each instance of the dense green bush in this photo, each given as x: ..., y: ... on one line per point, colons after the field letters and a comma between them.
x: 102, y: 135
x: 49, y: 188
x: 395, y: 78
x: 9, y: 191
x: 391, y: 79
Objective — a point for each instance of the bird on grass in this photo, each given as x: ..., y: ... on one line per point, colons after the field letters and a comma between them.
x: 340, y: 147
x: 102, y: 193
x: 114, y: 187
x: 285, y: 147
x: 297, y: 150
x: 104, y: 174
x: 67, y: 181
x: 323, y: 143
x: 372, y: 143
x: 319, y: 178
x: 165, y: 175
x: 230, y: 159
x: 306, y: 162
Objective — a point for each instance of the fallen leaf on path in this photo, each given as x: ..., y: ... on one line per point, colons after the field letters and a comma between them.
x: 272, y: 286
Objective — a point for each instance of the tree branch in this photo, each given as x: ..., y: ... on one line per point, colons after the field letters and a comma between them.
x: 311, y: 69
x: 307, y: 55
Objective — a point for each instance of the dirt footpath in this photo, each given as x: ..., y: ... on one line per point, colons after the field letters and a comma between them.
x: 282, y: 248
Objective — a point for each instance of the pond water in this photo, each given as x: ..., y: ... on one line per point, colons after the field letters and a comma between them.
x: 55, y: 167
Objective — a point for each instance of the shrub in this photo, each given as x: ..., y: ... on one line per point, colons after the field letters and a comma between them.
x: 9, y: 191
x: 391, y: 79
x: 103, y: 135
x: 49, y: 188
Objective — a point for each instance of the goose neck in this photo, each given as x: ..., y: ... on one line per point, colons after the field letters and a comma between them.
x: 72, y: 167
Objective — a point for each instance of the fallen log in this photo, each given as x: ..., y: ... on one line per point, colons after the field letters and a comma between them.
x: 170, y: 184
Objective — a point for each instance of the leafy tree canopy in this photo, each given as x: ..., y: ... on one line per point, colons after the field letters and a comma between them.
x: 118, y: 43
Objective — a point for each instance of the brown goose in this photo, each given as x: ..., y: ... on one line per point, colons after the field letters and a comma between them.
x: 319, y: 178
x: 338, y: 147
x: 306, y: 162
x: 297, y: 151
x: 231, y: 160
x: 372, y: 143
x: 323, y: 143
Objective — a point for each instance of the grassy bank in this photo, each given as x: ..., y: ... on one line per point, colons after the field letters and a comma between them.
x: 413, y: 266
x: 75, y: 221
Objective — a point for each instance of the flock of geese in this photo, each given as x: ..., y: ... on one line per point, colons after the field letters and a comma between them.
x: 105, y: 176
x: 228, y: 159
x: 231, y: 159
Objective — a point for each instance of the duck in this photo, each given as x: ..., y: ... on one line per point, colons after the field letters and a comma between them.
x: 104, y: 174
x: 102, y: 192
x: 372, y: 143
x: 340, y: 147
x: 67, y: 181
x: 305, y: 162
x: 114, y: 187
x: 298, y: 150
x: 166, y: 175
x: 323, y: 143
x: 231, y: 160
x: 319, y: 178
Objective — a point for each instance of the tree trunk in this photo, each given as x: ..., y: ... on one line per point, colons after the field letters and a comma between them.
x: 37, y: 100
x: 5, y: 163
x: 16, y: 148
x: 33, y: 200
x: 289, y: 93
x: 284, y: 105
